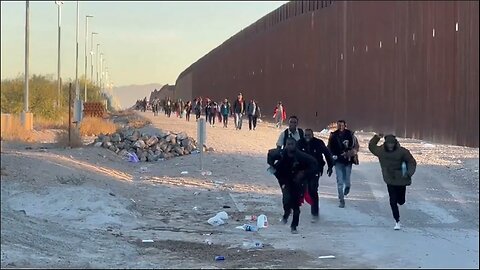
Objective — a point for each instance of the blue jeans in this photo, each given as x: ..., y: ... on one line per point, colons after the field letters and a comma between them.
x: 238, y: 120
x: 343, y: 173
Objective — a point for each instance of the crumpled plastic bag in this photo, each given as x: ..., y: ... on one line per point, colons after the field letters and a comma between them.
x: 218, y: 219
x: 132, y: 157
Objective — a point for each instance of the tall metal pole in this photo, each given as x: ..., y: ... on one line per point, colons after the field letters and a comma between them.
x: 86, y: 58
x: 91, y: 57
x: 77, y: 104
x: 59, y: 84
x: 27, y: 45
x: 96, y: 62
x: 101, y: 70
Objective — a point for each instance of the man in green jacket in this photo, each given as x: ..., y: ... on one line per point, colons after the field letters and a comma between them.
x: 398, y: 167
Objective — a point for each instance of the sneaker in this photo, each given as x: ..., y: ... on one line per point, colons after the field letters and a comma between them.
x: 342, y: 204
x: 314, y: 219
x: 284, y: 220
x: 346, y: 191
x: 397, y: 226
x: 294, y: 230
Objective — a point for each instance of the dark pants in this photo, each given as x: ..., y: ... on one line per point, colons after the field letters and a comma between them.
x: 187, y: 116
x: 252, y: 119
x: 197, y: 115
x: 225, y: 120
x: 211, y: 119
x: 313, y: 192
x: 397, y: 196
x: 291, y: 201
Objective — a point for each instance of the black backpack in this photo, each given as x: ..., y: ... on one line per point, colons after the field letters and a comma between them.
x: 285, y: 135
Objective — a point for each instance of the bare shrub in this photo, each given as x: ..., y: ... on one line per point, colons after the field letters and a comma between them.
x: 92, y: 126
x: 60, y: 122
x: 75, y: 138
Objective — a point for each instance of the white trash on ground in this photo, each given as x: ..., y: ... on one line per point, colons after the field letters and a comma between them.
x: 184, y: 172
x: 327, y: 257
x: 252, y: 244
x: 218, y: 219
x: 262, y: 221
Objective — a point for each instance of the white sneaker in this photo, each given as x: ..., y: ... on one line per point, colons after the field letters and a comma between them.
x: 397, y: 226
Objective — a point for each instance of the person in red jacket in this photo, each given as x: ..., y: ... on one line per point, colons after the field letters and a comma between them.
x: 279, y: 114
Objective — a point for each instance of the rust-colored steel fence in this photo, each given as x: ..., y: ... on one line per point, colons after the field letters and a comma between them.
x: 405, y: 67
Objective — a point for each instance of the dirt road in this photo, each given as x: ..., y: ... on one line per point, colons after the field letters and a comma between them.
x: 89, y: 208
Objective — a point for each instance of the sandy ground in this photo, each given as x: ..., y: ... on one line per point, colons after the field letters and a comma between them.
x: 89, y: 208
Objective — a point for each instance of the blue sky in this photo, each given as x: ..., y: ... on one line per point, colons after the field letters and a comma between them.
x: 143, y: 42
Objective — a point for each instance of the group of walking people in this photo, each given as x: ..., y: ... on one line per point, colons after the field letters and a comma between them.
x: 224, y: 109
x: 299, y: 160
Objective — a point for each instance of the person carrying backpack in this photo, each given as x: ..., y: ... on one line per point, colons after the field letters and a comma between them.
x: 291, y: 132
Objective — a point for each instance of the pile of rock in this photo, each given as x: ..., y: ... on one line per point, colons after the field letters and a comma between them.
x: 163, y: 145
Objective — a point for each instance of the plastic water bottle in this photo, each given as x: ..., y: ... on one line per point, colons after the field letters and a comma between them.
x: 404, y: 169
x: 219, y: 258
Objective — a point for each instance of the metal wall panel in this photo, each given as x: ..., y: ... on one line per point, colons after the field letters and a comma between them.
x: 375, y: 64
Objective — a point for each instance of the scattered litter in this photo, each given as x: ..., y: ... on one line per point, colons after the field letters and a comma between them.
x: 98, y: 144
x: 218, y: 219
x: 247, y: 227
x: 251, y: 218
x: 252, y: 244
x: 459, y: 161
x: 184, y: 172
x: 147, y: 241
x: 327, y: 257
x: 195, y: 208
x: 111, y: 194
x: 132, y: 157
x: 262, y: 221
x: 144, y: 169
x: 208, y: 241
x: 219, y: 258
x: 226, y: 206
x: 133, y: 200
x: 206, y: 173
x: 219, y: 182
x: 206, y: 233
x: 219, y: 198
x: 196, y: 193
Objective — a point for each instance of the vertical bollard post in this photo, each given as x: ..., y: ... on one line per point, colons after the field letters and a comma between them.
x: 201, y: 138
x: 70, y: 115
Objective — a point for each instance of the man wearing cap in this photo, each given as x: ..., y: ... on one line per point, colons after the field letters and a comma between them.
x: 398, y: 166
x: 239, y: 107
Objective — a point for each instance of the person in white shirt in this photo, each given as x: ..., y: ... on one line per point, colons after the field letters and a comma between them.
x: 292, y: 131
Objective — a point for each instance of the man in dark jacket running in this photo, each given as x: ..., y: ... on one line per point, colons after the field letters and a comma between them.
x: 292, y: 168
x: 317, y: 149
x: 398, y: 166
x: 340, y: 143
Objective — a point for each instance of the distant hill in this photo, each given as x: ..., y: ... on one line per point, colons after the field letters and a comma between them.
x: 128, y: 95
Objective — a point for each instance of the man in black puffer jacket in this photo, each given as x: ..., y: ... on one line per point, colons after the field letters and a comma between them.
x: 292, y: 168
x: 317, y: 149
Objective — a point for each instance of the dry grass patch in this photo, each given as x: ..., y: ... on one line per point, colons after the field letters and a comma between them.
x: 74, y: 141
x: 60, y: 123
x: 92, y: 126
x: 17, y: 132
